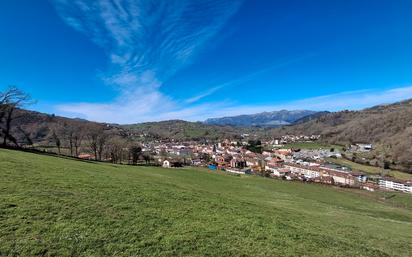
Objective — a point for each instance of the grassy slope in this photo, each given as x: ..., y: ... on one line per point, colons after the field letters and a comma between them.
x: 387, y: 127
x: 57, y: 207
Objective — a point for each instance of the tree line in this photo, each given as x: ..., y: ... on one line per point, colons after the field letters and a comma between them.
x: 100, y: 142
x: 74, y: 137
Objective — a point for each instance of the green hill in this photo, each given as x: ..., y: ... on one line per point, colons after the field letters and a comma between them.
x: 185, y: 130
x: 387, y: 127
x: 52, y: 206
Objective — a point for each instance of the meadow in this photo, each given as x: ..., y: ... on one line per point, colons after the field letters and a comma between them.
x: 312, y: 146
x: 51, y: 206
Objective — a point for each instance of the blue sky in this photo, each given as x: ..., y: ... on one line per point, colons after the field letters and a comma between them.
x: 129, y: 61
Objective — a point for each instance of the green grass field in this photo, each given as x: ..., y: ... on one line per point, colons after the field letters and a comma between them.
x: 51, y: 206
x: 312, y: 146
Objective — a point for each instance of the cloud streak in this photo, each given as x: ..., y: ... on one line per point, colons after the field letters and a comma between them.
x: 147, y: 35
x: 146, y: 42
x: 353, y: 100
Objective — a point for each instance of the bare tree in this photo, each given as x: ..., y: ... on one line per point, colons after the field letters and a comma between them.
x: 57, y: 141
x: 73, y: 133
x: 92, y: 142
x: 101, y: 142
x: 26, y: 135
x: 97, y: 139
x: 147, y: 158
x: 135, y: 151
x: 78, y: 139
x: 92, y: 138
x: 10, y: 100
x: 115, y: 149
x: 68, y: 131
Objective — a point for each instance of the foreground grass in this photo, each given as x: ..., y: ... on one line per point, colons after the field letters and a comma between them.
x: 58, y: 207
x: 369, y: 169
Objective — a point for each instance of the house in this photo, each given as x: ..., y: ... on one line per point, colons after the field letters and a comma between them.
x: 280, y: 172
x: 236, y: 171
x: 266, y: 153
x: 360, y: 177
x: 196, y: 162
x: 324, y: 180
x: 365, y: 147
x: 274, y: 160
x: 271, y: 168
x: 250, y: 162
x: 183, y: 152
x: 219, y: 159
x: 395, y: 184
x: 306, y: 171
x: 273, y: 164
x: 361, y: 147
x: 342, y: 179
x: 85, y: 156
x: 276, y: 141
x: 370, y: 186
x: 237, y: 163
x: 284, y: 154
x: 166, y: 164
x: 310, y: 172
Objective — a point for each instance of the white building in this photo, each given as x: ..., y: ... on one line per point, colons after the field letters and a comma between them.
x: 166, y: 164
x: 235, y: 171
x: 308, y: 172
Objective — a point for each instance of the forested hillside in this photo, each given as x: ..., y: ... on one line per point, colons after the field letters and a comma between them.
x: 389, y: 127
x: 34, y: 127
x: 185, y: 130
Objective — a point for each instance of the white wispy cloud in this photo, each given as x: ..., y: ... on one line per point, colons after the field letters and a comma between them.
x: 141, y: 35
x: 120, y: 112
x: 204, y: 94
x: 146, y: 42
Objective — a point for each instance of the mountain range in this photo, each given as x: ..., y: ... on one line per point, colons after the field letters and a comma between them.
x: 265, y: 119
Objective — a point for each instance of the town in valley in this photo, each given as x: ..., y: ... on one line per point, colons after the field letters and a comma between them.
x: 292, y: 157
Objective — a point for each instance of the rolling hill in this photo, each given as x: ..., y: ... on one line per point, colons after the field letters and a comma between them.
x: 388, y: 127
x: 36, y: 127
x: 185, y: 130
x: 51, y: 206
